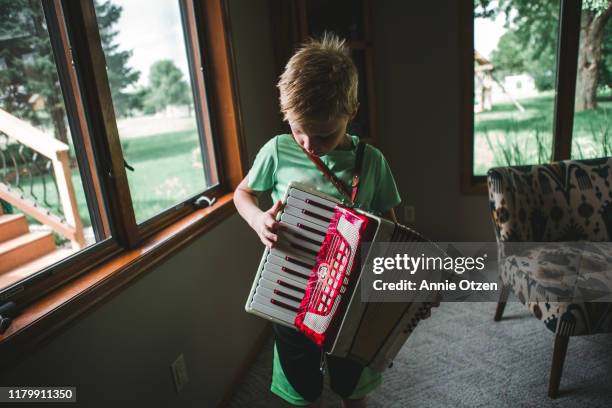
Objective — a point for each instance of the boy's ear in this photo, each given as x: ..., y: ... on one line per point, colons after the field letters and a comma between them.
x: 354, y: 113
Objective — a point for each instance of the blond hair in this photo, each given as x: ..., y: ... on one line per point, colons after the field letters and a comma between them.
x: 320, y: 81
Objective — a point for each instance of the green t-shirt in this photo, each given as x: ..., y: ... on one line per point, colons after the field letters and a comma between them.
x: 281, y: 161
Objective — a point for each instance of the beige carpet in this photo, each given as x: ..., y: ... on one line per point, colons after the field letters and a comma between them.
x: 461, y: 358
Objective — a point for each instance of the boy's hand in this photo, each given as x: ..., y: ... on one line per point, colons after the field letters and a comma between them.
x: 265, y: 225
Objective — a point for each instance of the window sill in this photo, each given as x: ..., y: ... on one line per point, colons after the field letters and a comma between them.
x: 76, y: 298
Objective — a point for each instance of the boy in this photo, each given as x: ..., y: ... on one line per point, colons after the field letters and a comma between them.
x: 318, y: 98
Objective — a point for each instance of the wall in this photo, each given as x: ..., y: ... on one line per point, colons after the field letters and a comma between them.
x: 418, y: 86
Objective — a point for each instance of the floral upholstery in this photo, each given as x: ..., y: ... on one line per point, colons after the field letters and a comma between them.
x: 570, y: 202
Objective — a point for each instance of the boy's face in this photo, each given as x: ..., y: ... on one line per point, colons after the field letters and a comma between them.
x: 320, y: 137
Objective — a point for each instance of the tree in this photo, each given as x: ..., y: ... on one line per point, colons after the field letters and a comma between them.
x: 166, y: 87
x: 536, y: 26
x: 508, y: 58
x: 511, y: 57
x: 595, y: 15
x: 120, y: 74
x: 29, y: 69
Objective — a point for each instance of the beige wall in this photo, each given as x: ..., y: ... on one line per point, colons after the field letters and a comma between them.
x: 417, y: 80
x: 193, y: 303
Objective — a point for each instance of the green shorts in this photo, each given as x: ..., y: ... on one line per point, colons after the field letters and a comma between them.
x: 296, y: 375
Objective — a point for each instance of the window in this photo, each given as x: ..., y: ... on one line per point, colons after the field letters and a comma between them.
x: 513, y: 124
x: 45, y: 215
x: 592, y: 130
x: 538, y: 77
x: 86, y: 94
x: 153, y: 99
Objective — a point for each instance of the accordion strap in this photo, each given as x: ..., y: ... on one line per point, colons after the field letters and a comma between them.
x: 351, y: 195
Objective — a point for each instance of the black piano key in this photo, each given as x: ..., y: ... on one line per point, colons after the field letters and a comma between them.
x: 298, y: 262
x: 290, y: 286
x: 286, y: 295
x: 309, y: 229
x: 279, y: 260
x: 314, y: 215
x: 292, y: 272
x: 300, y: 214
x: 302, y: 195
x: 318, y: 204
x: 283, y: 305
x: 273, y: 272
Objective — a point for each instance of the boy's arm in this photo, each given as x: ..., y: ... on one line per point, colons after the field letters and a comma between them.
x: 390, y: 215
x: 263, y: 222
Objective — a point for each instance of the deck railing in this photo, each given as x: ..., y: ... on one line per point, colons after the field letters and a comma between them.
x: 30, y: 158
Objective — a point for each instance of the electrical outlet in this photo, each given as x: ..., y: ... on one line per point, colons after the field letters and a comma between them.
x: 179, y: 372
x: 409, y: 215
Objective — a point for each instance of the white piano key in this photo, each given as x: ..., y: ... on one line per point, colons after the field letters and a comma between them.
x: 294, y: 220
x: 263, y: 291
x: 296, y: 251
x: 300, y: 256
x: 285, y: 277
x: 296, y: 212
x: 292, y: 229
x: 275, y: 260
x: 273, y: 273
x: 290, y: 237
x: 302, y: 195
x: 295, y: 202
x: 266, y: 301
x: 274, y: 311
x: 264, y: 283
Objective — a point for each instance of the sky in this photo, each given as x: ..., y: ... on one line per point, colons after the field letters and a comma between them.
x: 487, y: 33
x: 152, y: 29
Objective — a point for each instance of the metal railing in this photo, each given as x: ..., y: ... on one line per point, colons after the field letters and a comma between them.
x: 34, y: 169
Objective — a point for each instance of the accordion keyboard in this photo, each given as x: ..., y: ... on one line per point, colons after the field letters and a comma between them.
x: 304, y: 221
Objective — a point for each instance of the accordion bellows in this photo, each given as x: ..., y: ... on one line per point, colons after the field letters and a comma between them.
x: 310, y: 280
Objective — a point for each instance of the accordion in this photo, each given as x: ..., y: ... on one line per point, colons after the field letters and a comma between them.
x: 311, y: 280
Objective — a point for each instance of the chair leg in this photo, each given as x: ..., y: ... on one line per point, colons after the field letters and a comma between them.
x: 556, y: 369
x: 501, y: 303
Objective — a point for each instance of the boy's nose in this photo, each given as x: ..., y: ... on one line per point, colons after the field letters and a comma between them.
x: 306, y: 143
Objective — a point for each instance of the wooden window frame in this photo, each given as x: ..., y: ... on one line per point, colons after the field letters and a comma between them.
x: 565, y: 86
x: 106, y: 267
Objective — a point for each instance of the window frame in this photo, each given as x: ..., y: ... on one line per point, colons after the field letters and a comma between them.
x: 60, y: 293
x: 565, y: 87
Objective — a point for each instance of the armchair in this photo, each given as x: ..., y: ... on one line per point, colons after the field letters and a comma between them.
x: 570, y: 202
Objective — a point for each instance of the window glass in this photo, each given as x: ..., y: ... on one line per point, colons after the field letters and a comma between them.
x: 592, y: 132
x: 152, y: 91
x: 44, y: 216
x: 515, y: 45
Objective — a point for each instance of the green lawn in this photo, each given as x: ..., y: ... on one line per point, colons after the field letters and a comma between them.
x: 506, y: 136
x: 167, y: 170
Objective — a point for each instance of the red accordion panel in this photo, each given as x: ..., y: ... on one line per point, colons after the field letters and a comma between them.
x: 330, y: 275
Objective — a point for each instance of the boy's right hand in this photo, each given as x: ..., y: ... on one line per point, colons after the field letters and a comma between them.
x: 265, y: 225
